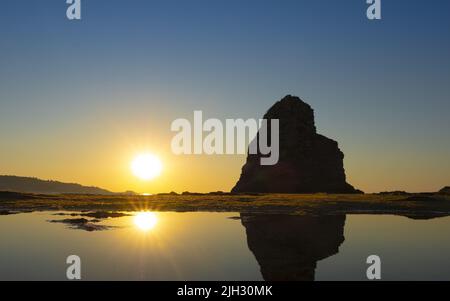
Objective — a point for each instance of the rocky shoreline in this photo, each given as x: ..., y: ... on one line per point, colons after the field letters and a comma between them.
x: 419, y: 206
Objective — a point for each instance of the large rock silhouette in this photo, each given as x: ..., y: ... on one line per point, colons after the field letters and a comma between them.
x: 308, y: 162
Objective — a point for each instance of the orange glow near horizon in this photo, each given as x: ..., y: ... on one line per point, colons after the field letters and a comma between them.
x: 75, y: 161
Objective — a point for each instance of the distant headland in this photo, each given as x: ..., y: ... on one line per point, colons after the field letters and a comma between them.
x: 35, y: 185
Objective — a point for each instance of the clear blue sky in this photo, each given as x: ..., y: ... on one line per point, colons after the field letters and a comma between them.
x: 382, y: 89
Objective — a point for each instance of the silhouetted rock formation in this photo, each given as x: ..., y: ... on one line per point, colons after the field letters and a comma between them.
x: 308, y: 162
x: 445, y: 190
x: 287, y: 247
x: 33, y: 185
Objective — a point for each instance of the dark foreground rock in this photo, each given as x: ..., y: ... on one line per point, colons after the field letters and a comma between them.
x: 7, y: 212
x: 82, y: 224
x: 308, y: 162
x: 105, y: 214
x: 10, y: 195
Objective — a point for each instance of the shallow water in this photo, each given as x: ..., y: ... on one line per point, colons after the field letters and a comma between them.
x: 218, y: 246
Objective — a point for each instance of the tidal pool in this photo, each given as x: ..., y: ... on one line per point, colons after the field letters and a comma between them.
x: 222, y: 246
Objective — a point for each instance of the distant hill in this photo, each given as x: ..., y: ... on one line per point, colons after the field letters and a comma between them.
x: 445, y: 190
x: 34, y: 185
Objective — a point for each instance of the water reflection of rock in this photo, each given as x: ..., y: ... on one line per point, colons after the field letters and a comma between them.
x: 288, y: 247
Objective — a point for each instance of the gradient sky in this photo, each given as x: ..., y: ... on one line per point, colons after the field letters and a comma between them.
x: 79, y: 99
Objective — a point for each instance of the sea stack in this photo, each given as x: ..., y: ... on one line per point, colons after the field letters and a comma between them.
x: 308, y: 161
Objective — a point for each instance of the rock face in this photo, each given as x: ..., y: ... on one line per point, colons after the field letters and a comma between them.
x: 288, y: 247
x: 308, y: 162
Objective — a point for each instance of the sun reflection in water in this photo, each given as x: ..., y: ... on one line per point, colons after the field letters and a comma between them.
x: 145, y: 221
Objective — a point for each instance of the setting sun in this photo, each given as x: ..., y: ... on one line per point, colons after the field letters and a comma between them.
x: 146, y: 166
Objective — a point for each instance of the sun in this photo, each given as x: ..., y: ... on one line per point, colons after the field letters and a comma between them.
x: 146, y: 166
x: 145, y: 221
